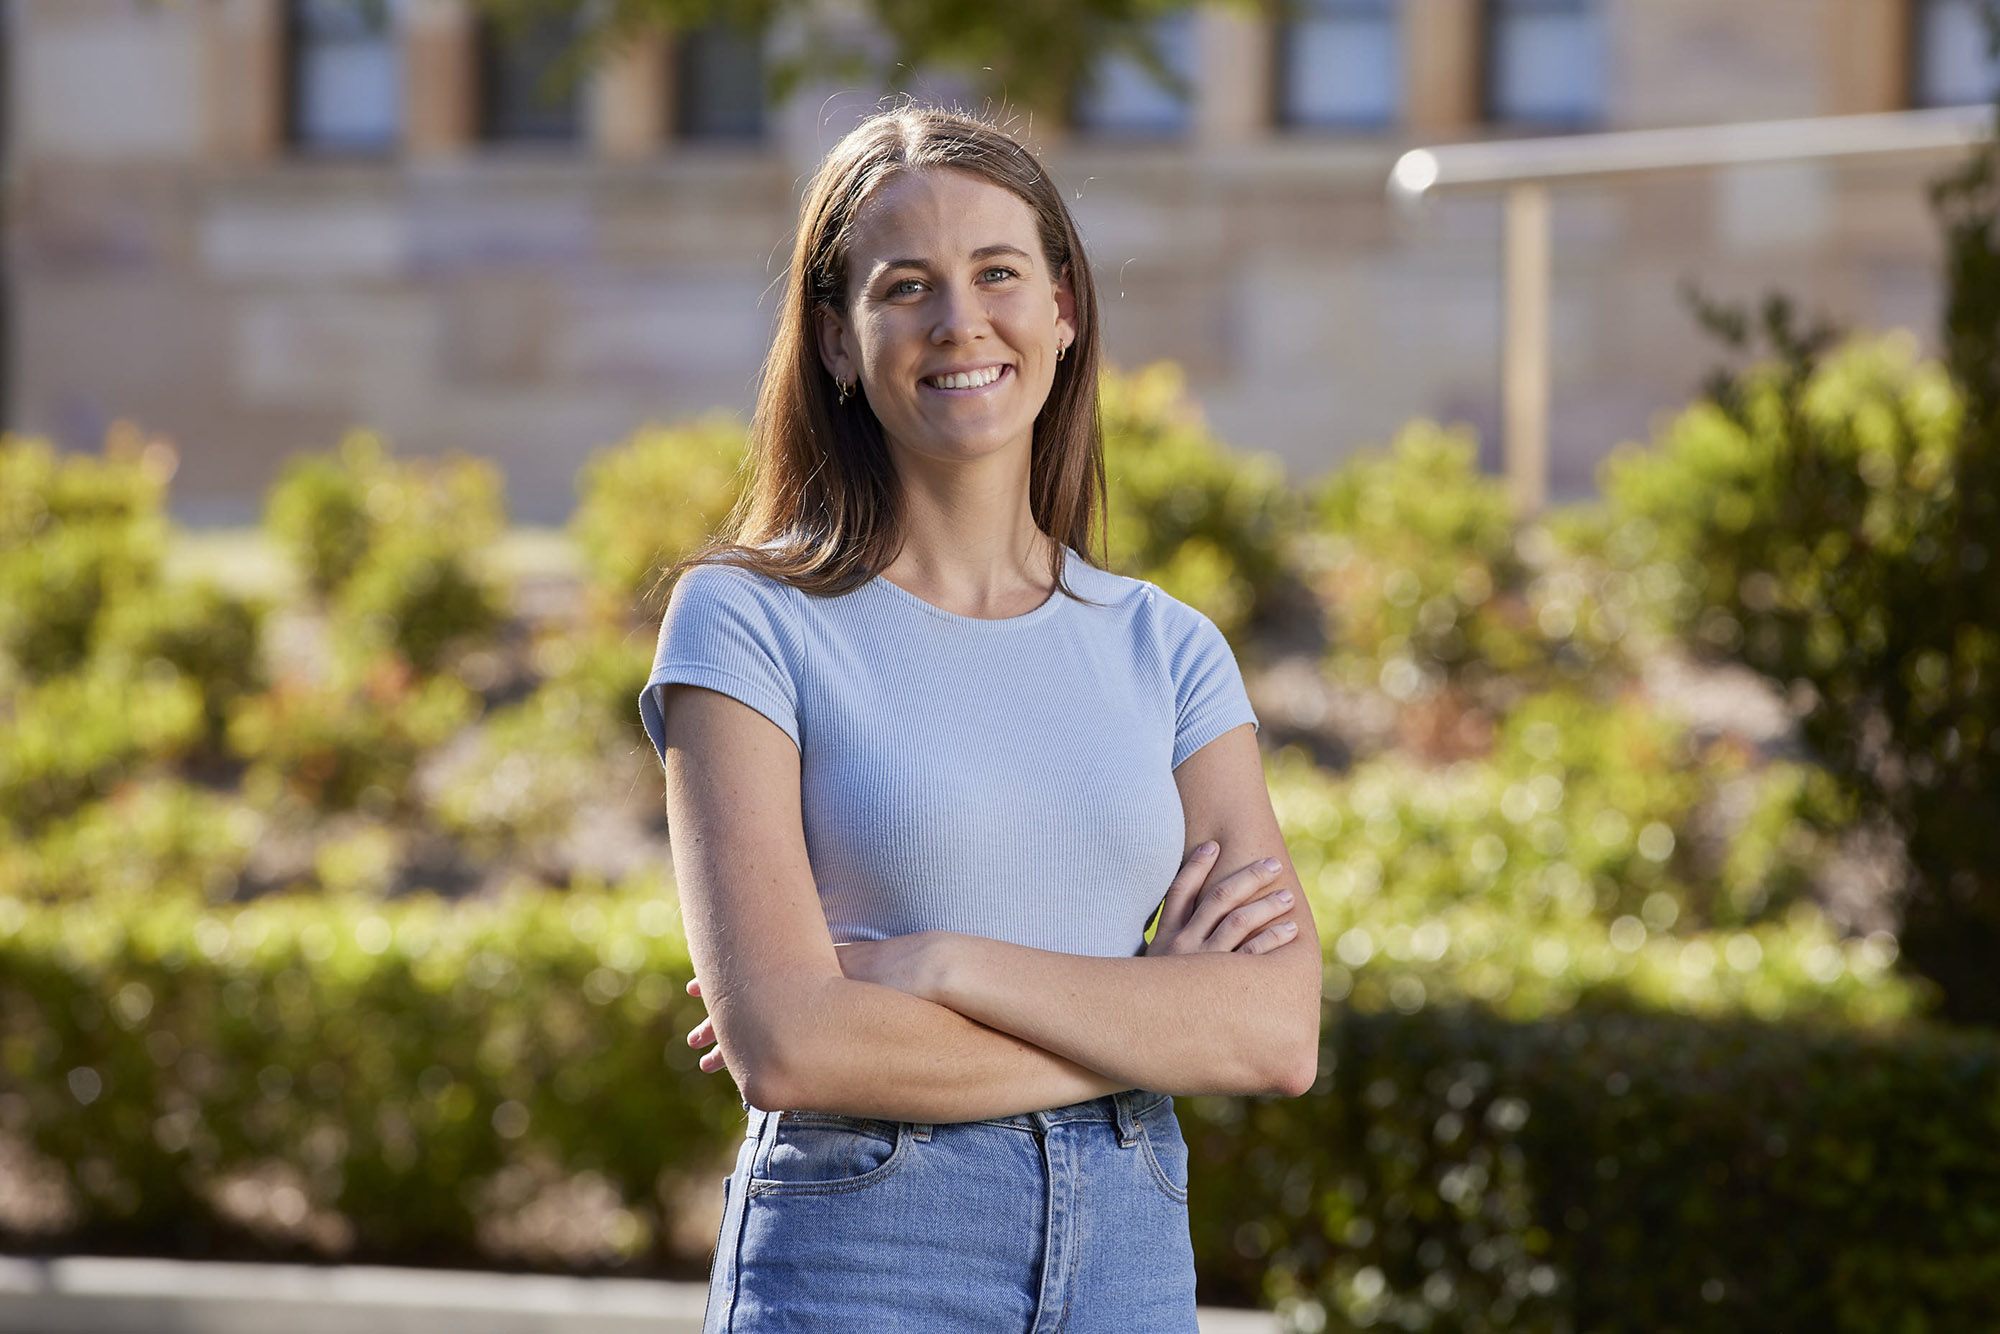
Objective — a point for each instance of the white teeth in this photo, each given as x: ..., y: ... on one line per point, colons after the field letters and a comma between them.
x: 967, y: 379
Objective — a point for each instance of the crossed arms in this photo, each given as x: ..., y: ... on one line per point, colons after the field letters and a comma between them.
x: 947, y: 1027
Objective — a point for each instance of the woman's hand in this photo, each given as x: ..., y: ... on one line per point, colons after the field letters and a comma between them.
x: 703, y: 1035
x: 1233, y: 913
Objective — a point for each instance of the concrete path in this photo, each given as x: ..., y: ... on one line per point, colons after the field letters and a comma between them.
x: 93, y: 1295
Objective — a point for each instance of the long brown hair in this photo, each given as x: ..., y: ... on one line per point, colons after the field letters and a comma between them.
x: 821, y: 506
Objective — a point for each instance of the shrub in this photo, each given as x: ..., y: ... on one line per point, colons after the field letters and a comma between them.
x: 155, y: 838
x: 417, y: 592
x: 1610, y: 1171
x: 389, y: 1063
x: 1434, y: 593
x: 328, y: 511
x: 1572, y: 863
x: 396, y: 546
x: 211, y: 638
x: 74, y: 738
x: 532, y: 768
x: 645, y: 503
x: 318, y: 509
x: 1206, y: 524
x: 338, y: 746
x: 77, y: 532
x: 607, y: 665
x: 100, y: 658
x: 1820, y: 518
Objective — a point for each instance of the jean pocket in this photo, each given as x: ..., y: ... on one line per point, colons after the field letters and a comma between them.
x: 1166, y: 1150
x: 818, y: 1153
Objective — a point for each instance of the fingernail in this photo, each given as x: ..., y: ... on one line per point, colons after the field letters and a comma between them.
x: 1284, y: 896
x: 1206, y: 849
x: 1269, y: 863
x: 1288, y: 927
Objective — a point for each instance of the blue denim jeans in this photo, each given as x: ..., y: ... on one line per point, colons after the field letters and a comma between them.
x: 1067, y: 1221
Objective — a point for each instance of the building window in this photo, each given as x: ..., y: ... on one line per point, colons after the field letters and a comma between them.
x: 1124, y: 97
x: 530, y: 80
x: 1954, y: 64
x: 719, y: 83
x: 1341, y: 64
x: 1545, y: 62
x: 345, y: 84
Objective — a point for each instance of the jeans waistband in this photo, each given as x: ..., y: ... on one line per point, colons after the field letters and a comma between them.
x: 1122, y: 1108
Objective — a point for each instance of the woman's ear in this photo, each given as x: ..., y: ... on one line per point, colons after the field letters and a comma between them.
x: 834, y: 341
x: 1065, y: 309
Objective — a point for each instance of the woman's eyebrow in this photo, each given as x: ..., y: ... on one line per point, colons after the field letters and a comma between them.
x: 984, y: 252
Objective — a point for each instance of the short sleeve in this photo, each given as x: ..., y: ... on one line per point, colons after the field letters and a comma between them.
x: 731, y: 631
x: 1209, y: 698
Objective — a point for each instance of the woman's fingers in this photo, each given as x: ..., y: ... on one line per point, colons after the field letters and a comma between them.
x: 1231, y: 893
x: 703, y: 1035
x: 1245, y: 921
x: 1186, y: 886
x: 1272, y: 936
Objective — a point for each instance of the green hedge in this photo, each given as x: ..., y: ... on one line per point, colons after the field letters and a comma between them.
x: 402, y: 1068
x: 1611, y: 1171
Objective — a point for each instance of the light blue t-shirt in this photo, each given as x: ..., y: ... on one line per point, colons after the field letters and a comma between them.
x: 1003, y: 778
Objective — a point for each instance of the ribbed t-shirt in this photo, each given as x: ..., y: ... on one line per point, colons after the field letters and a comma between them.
x: 1009, y: 778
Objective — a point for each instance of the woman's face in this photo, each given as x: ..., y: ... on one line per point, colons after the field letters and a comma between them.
x: 953, y: 317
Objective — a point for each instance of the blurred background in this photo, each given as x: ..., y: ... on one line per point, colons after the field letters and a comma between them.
x: 250, y: 224
x: 365, y: 362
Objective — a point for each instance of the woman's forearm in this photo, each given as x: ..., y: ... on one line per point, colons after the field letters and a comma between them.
x: 872, y: 1050
x: 1192, y: 1023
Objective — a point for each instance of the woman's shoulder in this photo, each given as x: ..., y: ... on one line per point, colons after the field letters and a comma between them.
x: 1139, y: 602
x: 719, y: 599
x: 720, y: 579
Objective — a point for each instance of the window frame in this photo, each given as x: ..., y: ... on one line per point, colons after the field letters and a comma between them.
x: 1182, y: 127
x: 1918, y: 66
x: 1493, y: 15
x: 1283, y: 112
x: 293, y: 42
x: 681, y: 95
x: 490, y: 37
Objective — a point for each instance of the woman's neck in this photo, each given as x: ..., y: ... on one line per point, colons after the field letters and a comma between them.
x: 971, y: 545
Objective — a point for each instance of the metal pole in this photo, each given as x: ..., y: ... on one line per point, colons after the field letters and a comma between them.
x: 1524, y: 352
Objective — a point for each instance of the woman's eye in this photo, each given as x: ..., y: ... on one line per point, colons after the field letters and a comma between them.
x: 997, y: 274
x: 903, y: 287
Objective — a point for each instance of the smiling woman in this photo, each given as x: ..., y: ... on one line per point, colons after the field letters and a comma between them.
x: 930, y: 772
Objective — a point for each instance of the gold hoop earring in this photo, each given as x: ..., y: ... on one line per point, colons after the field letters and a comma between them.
x: 1060, y: 349
x: 843, y: 388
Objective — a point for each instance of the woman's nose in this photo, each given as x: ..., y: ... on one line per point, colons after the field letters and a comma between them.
x: 961, y: 316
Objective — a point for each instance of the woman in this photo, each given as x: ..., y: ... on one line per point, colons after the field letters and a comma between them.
x: 928, y: 771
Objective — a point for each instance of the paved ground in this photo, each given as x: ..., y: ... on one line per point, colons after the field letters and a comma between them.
x: 90, y: 1295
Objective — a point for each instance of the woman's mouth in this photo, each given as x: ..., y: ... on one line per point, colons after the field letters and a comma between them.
x: 967, y: 382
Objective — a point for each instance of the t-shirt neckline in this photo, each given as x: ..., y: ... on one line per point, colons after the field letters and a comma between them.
x: 1040, y: 613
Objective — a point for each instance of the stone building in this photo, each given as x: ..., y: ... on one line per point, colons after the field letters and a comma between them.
x: 251, y: 223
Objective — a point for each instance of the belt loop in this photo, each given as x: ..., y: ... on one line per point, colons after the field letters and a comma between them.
x: 921, y: 1131
x: 1128, y: 1125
